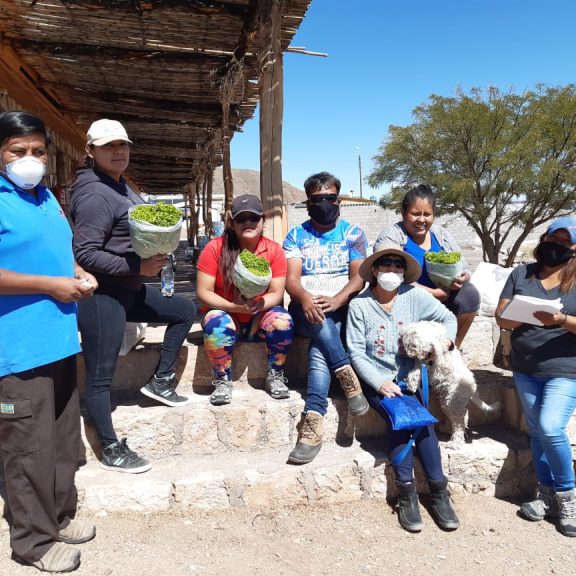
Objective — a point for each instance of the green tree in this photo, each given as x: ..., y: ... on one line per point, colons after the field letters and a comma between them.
x: 502, y: 160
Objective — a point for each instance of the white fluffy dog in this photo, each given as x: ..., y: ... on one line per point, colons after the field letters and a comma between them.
x: 451, y: 380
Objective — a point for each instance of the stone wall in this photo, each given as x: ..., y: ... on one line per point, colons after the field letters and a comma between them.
x: 373, y: 219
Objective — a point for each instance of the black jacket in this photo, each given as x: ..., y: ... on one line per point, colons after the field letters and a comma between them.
x: 101, y: 232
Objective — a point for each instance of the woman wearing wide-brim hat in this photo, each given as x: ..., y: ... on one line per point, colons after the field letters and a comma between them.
x: 375, y: 321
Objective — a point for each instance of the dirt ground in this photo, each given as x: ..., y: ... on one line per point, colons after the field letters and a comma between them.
x: 344, y: 539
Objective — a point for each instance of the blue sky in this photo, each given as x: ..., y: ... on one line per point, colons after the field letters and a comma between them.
x: 385, y: 57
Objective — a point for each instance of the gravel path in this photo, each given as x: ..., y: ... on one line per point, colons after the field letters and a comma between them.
x: 338, y: 540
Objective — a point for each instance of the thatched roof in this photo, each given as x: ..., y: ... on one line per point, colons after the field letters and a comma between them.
x: 161, y: 67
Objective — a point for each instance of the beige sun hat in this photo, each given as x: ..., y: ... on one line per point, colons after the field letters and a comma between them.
x: 411, y: 274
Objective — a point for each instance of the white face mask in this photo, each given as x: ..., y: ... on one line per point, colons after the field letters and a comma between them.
x: 390, y: 281
x: 26, y: 172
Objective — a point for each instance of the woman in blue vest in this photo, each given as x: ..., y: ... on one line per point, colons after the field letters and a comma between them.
x: 39, y: 413
x: 417, y: 234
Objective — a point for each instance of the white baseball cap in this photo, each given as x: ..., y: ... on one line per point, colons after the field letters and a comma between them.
x: 103, y: 131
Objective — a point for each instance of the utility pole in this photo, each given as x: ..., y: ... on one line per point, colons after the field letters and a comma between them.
x: 359, y: 168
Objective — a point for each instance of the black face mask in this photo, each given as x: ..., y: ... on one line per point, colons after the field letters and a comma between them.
x: 324, y: 213
x: 552, y: 254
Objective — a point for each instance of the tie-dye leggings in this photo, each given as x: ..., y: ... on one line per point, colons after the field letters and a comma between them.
x: 221, y: 332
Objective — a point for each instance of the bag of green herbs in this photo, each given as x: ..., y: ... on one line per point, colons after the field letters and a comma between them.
x: 443, y: 267
x: 154, y: 228
x: 251, y: 274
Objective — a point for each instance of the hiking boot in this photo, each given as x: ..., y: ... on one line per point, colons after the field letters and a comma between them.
x: 164, y: 390
x: 567, y: 507
x: 310, y: 429
x: 543, y: 506
x: 408, y: 508
x: 222, y: 392
x: 441, y: 506
x: 276, y: 384
x: 59, y: 558
x: 120, y: 458
x: 77, y: 532
x: 357, y: 403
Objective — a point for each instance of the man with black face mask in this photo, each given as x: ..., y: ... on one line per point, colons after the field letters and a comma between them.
x: 324, y: 256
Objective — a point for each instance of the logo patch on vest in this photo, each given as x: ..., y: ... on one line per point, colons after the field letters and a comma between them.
x: 6, y: 408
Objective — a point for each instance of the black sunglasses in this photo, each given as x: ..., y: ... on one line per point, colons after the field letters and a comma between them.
x: 244, y: 217
x: 317, y: 198
x: 396, y: 262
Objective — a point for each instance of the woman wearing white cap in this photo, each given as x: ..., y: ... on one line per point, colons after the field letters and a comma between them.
x: 101, y: 198
x: 375, y: 321
x: 543, y: 360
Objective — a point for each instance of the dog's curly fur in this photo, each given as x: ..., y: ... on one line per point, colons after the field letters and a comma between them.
x: 450, y: 379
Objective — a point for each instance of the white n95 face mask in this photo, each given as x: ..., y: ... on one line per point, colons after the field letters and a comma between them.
x: 26, y: 172
x: 389, y: 281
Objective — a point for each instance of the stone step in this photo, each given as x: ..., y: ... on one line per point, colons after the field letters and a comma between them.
x: 264, y: 479
x: 253, y: 421
x: 248, y: 368
x: 249, y: 361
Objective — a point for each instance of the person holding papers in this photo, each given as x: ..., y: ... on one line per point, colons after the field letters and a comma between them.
x: 543, y: 360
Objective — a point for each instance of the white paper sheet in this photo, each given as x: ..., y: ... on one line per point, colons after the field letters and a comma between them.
x: 521, y: 309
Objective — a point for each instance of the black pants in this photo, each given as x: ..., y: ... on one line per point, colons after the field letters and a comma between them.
x: 102, y: 321
x: 39, y: 444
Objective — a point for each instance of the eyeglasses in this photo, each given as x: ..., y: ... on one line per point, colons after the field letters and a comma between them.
x: 317, y: 198
x: 391, y: 262
x: 244, y: 217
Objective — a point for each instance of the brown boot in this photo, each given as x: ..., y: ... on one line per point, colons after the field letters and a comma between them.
x: 310, y: 429
x: 357, y: 403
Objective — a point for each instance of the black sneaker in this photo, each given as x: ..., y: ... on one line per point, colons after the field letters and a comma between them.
x: 120, y: 458
x: 164, y: 390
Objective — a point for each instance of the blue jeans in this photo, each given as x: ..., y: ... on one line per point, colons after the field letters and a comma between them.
x: 426, y: 445
x: 326, y: 353
x: 102, y: 321
x: 548, y: 404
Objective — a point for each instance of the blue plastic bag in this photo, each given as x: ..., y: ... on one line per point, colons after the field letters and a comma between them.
x: 406, y: 413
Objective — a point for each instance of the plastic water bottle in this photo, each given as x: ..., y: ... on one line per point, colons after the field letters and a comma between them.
x: 167, y: 279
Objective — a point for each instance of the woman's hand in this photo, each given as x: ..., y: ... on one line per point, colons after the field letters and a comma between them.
x: 87, y: 280
x: 390, y: 389
x: 68, y: 290
x: 439, y: 294
x: 248, y: 305
x: 557, y: 319
x: 152, y: 266
x: 459, y: 280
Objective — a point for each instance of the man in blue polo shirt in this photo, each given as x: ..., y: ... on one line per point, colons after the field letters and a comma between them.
x: 39, y: 411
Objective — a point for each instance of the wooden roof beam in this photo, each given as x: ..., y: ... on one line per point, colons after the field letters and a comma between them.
x: 59, y: 49
x: 23, y: 84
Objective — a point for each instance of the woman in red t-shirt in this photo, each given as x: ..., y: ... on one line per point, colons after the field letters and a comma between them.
x: 228, y: 317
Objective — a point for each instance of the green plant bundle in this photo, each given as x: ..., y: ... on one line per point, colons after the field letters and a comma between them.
x: 443, y: 257
x: 255, y: 264
x: 160, y: 214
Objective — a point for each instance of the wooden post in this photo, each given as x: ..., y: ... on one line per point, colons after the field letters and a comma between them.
x: 271, y: 112
x: 205, y: 207
x: 193, y: 229
x: 198, y: 207
x: 209, y: 182
x: 226, y: 164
